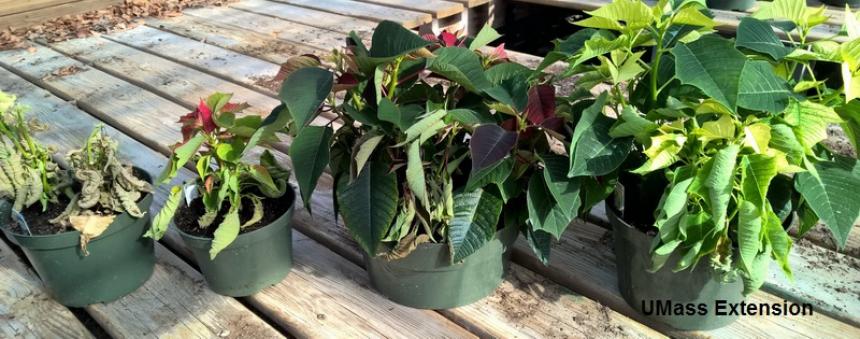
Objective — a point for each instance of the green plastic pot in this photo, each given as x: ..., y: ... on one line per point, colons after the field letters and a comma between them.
x: 842, y: 3
x: 5, y: 217
x: 119, y: 261
x: 732, y: 5
x: 254, y: 261
x: 640, y: 287
x: 426, y: 279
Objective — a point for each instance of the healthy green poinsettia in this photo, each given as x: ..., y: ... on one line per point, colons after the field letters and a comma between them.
x: 217, y: 137
x: 401, y: 159
x: 730, y: 130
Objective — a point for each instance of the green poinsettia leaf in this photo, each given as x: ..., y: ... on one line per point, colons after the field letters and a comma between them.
x: 713, y: 65
x: 370, y: 202
x: 830, y: 190
x: 760, y: 88
x: 758, y: 36
x: 310, y: 154
x: 303, y: 92
x: 226, y: 233
x: 461, y: 66
x: 593, y: 151
x: 476, y: 217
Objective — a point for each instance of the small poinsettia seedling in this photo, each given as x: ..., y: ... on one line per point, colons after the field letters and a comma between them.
x: 218, y: 137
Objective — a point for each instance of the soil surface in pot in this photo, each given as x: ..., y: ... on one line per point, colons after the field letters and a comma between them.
x: 39, y: 221
x: 186, y: 216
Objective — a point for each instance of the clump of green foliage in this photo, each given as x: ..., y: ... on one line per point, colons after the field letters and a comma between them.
x: 436, y: 135
x: 217, y: 139
x: 28, y: 174
x: 729, y: 130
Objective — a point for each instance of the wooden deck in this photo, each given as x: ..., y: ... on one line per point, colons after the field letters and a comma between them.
x: 139, y: 82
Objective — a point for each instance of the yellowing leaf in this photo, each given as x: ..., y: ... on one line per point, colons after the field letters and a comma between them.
x: 90, y: 226
x: 629, y: 14
x: 662, y: 153
x: 757, y: 136
x: 721, y: 129
x: 691, y: 15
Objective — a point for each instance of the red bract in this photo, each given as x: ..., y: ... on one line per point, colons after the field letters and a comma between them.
x: 204, y: 114
x: 446, y: 39
x: 499, y: 53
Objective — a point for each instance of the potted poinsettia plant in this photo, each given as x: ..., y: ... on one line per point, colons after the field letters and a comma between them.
x: 433, y: 238
x: 717, y: 144
x: 234, y: 215
x: 73, y: 224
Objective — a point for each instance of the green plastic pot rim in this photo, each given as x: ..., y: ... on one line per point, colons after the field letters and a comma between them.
x: 72, y: 237
x: 249, y: 237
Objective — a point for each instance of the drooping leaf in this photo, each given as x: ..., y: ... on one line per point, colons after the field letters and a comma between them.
x: 783, y: 139
x: 310, y: 154
x: 540, y: 243
x: 779, y: 241
x: 367, y: 145
x: 564, y: 190
x: 226, y: 233
x: 593, y: 151
x: 427, y: 125
x: 415, y: 174
x: 830, y: 189
x: 162, y: 220
x: 490, y: 144
x: 749, y: 233
x: 757, y: 172
x: 759, y: 36
x: 719, y: 183
x: 304, y: 91
x: 545, y: 214
x: 476, y: 216
x: 713, y: 65
x: 368, y: 204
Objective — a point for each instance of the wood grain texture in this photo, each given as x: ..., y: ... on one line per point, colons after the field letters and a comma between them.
x: 307, y: 16
x: 437, y: 8
x: 284, y: 30
x: 232, y: 38
x: 26, y: 309
x: 19, y: 6
x: 410, y: 19
x: 27, y: 18
x: 214, y: 60
x: 161, y: 76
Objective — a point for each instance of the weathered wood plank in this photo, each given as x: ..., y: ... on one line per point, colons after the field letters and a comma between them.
x: 333, y: 298
x: 437, y: 8
x: 27, y: 18
x: 307, y: 16
x: 275, y: 27
x: 203, y: 57
x: 161, y: 76
x: 235, y: 39
x: 373, y: 12
x: 26, y: 309
x: 19, y: 6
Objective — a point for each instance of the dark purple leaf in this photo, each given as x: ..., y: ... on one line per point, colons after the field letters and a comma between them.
x: 490, y: 144
x: 541, y: 105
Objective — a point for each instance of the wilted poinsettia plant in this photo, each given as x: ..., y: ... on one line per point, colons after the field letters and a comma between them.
x: 729, y: 130
x: 218, y: 139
